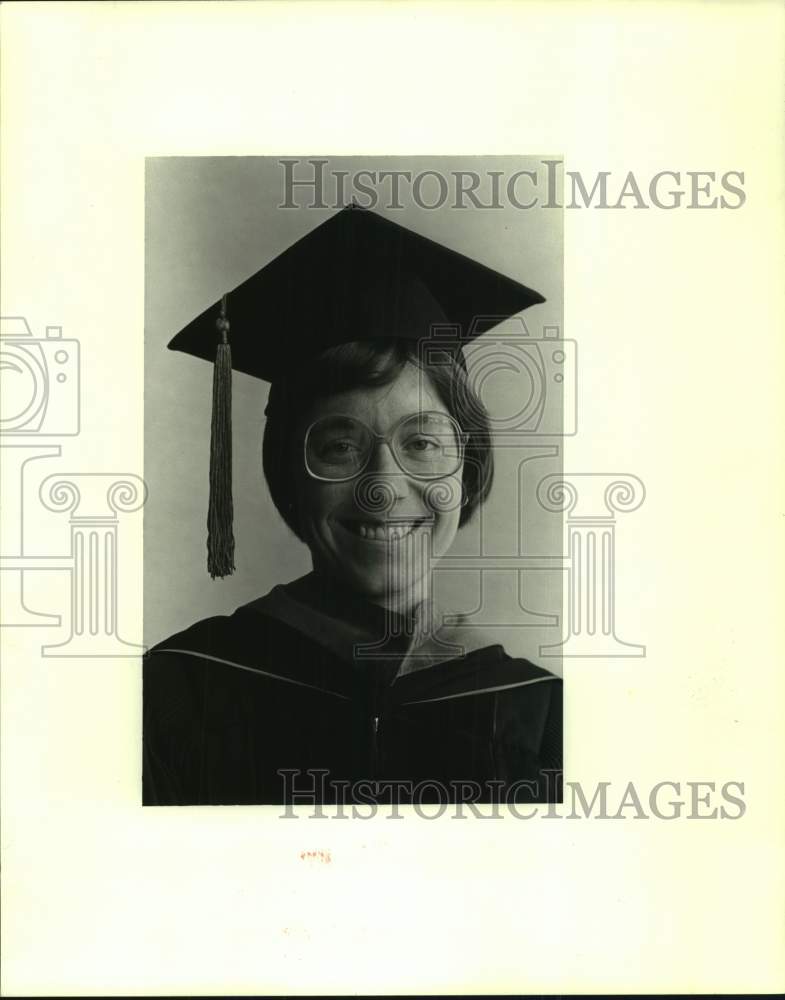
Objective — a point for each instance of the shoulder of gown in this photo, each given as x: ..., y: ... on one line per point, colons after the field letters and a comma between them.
x: 257, y: 643
x: 201, y: 679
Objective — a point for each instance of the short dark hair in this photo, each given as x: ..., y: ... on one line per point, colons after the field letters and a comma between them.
x: 369, y: 364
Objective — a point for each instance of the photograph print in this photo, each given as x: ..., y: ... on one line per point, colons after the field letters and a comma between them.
x: 356, y: 389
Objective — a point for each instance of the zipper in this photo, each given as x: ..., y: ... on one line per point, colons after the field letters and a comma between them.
x: 375, y: 746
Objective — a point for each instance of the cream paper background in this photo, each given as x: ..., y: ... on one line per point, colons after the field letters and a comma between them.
x: 679, y: 319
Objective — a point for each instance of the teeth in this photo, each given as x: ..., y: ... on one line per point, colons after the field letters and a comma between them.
x: 382, y: 532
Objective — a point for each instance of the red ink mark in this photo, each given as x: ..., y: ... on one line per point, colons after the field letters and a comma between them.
x: 316, y: 855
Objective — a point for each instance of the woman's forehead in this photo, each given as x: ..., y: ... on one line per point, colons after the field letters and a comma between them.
x: 409, y: 392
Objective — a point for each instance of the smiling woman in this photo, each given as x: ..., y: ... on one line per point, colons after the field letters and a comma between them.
x: 367, y: 447
x: 376, y: 451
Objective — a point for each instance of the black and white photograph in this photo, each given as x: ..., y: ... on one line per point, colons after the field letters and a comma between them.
x: 392, y: 398
x: 401, y: 401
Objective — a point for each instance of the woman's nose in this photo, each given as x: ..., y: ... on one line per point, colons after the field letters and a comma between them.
x: 382, y: 457
x: 383, y: 463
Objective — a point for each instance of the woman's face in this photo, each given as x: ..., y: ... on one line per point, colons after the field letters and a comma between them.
x: 380, y: 532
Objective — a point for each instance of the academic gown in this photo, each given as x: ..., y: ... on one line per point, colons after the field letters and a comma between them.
x: 350, y: 702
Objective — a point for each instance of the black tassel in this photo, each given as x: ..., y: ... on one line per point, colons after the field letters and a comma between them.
x: 220, y: 515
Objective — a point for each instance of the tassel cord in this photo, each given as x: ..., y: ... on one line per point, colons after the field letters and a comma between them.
x: 220, y: 515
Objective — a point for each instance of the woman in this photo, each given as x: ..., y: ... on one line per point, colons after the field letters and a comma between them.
x: 347, y: 684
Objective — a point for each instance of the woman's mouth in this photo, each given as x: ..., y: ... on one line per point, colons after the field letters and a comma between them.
x: 387, y: 532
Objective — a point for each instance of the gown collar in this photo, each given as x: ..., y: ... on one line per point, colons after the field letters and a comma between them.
x: 357, y: 630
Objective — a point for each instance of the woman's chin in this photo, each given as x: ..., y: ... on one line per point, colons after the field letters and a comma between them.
x: 371, y: 579
x: 374, y: 585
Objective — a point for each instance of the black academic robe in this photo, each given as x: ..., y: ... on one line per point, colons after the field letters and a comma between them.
x: 310, y: 694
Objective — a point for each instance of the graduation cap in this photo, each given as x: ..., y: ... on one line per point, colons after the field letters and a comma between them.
x: 357, y: 276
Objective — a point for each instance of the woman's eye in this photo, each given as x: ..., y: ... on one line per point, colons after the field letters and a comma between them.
x: 421, y: 444
x: 339, y: 448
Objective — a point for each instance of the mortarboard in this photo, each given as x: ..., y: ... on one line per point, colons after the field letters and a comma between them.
x: 357, y: 276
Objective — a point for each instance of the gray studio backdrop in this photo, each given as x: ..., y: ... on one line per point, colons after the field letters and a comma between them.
x: 213, y: 221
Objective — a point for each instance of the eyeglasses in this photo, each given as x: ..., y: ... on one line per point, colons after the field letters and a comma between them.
x: 426, y: 445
